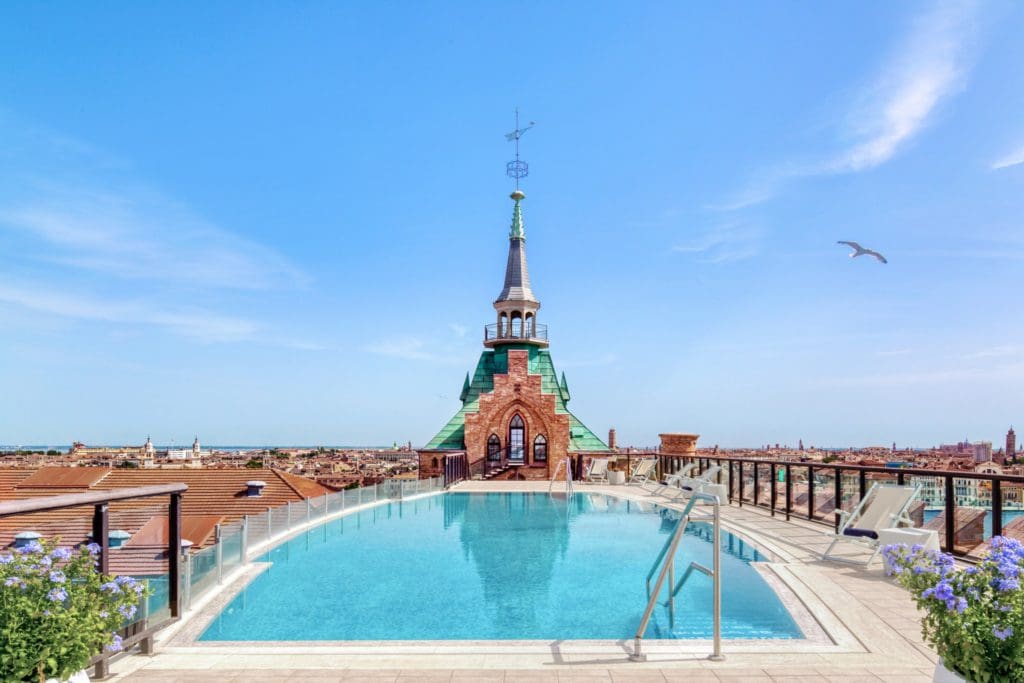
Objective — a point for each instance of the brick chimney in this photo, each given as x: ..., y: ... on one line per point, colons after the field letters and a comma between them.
x: 611, y: 439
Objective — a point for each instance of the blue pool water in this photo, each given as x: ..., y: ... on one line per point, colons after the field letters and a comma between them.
x: 505, y: 566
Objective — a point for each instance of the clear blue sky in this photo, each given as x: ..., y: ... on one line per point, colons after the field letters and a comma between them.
x: 286, y: 222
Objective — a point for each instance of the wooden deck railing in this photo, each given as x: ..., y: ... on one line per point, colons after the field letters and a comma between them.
x: 139, y: 633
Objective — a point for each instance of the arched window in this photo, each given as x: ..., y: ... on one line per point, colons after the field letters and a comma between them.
x: 540, y: 449
x: 516, y: 438
x: 528, y: 327
x: 503, y: 325
x: 493, y: 448
x: 517, y: 325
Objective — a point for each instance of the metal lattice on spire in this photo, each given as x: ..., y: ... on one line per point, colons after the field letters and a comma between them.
x: 517, y: 169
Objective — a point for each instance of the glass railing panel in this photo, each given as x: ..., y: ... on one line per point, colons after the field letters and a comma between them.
x: 799, y: 490
x: 747, y: 482
x: 849, y: 490
x: 231, y: 547
x: 824, y: 506
x: 204, y: 571
x: 764, y: 485
x: 929, y: 512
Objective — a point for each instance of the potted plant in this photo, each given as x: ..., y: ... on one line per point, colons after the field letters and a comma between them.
x: 57, y: 611
x: 974, y: 617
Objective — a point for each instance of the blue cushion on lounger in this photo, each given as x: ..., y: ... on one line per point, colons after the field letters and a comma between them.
x: 866, y: 533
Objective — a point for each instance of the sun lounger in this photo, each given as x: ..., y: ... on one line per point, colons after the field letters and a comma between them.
x: 884, y: 507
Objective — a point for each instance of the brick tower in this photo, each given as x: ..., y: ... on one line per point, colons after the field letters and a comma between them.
x: 514, y: 419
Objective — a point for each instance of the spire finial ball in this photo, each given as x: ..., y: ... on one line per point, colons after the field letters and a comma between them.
x: 517, y: 195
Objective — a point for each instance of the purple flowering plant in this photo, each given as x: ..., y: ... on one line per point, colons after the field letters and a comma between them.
x: 974, y: 616
x: 57, y: 611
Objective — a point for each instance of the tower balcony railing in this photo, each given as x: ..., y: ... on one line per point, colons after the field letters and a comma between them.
x: 531, y: 332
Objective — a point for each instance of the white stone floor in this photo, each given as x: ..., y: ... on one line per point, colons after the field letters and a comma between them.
x: 868, y: 628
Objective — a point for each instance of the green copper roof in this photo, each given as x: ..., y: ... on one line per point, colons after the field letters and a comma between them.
x: 517, y: 232
x: 452, y: 435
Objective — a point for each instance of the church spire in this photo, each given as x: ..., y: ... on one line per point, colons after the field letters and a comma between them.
x: 517, y: 275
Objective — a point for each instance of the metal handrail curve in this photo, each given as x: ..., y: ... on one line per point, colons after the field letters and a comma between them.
x: 666, y: 560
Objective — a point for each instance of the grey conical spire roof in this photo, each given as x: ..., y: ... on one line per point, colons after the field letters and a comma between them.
x: 517, y: 276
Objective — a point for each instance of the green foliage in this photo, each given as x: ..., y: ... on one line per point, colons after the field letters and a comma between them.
x: 974, y: 617
x: 57, y: 611
x: 254, y: 464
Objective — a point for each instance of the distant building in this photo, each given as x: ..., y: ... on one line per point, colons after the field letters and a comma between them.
x: 982, y: 451
x: 1011, y: 444
x: 514, y: 410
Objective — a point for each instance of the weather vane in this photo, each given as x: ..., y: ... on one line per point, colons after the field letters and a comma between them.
x: 517, y: 169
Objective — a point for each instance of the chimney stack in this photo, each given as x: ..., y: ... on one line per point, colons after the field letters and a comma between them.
x: 611, y: 439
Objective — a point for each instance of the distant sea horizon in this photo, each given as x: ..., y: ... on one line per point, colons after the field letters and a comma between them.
x: 67, y: 447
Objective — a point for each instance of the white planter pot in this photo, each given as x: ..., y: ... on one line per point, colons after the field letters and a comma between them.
x: 944, y: 675
x: 616, y: 477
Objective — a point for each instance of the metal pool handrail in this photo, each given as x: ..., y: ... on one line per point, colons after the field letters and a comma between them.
x: 567, y: 463
x: 666, y: 559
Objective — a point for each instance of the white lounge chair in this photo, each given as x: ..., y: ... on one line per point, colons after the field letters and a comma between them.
x: 672, y: 480
x: 688, y: 485
x: 642, y: 471
x: 597, y: 472
x: 884, y: 507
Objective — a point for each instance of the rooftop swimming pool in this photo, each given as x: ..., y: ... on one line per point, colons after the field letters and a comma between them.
x: 495, y: 566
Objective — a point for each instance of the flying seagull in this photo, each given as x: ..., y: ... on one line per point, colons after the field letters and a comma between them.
x: 861, y: 251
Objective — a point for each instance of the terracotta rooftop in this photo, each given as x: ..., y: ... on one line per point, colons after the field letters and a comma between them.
x: 64, y: 477
x: 213, y: 497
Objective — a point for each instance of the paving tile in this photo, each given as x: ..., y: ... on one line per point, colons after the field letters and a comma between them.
x: 908, y: 678
x: 482, y: 675
x: 518, y: 675
x: 619, y: 676
x: 691, y: 676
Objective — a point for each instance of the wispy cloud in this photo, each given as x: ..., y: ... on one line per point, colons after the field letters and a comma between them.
x: 1014, y: 158
x: 195, y: 323
x: 725, y: 243
x: 1012, y: 372
x: 92, y: 242
x: 459, y: 330
x: 1005, y: 351
x: 930, y: 65
x: 894, y: 352
x: 136, y: 234
x: 420, y: 349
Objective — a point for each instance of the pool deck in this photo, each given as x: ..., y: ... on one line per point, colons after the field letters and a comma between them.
x: 861, y: 627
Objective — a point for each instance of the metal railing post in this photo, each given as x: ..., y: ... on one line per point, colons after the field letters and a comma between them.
x: 174, y: 555
x: 188, y: 579
x: 997, y: 508
x: 219, y: 554
x: 740, y: 482
x: 950, y: 514
x: 716, y: 566
x: 244, y: 550
x: 270, y: 525
x: 838, y: 495
x: 810, y: 492
x: 789, y: 490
